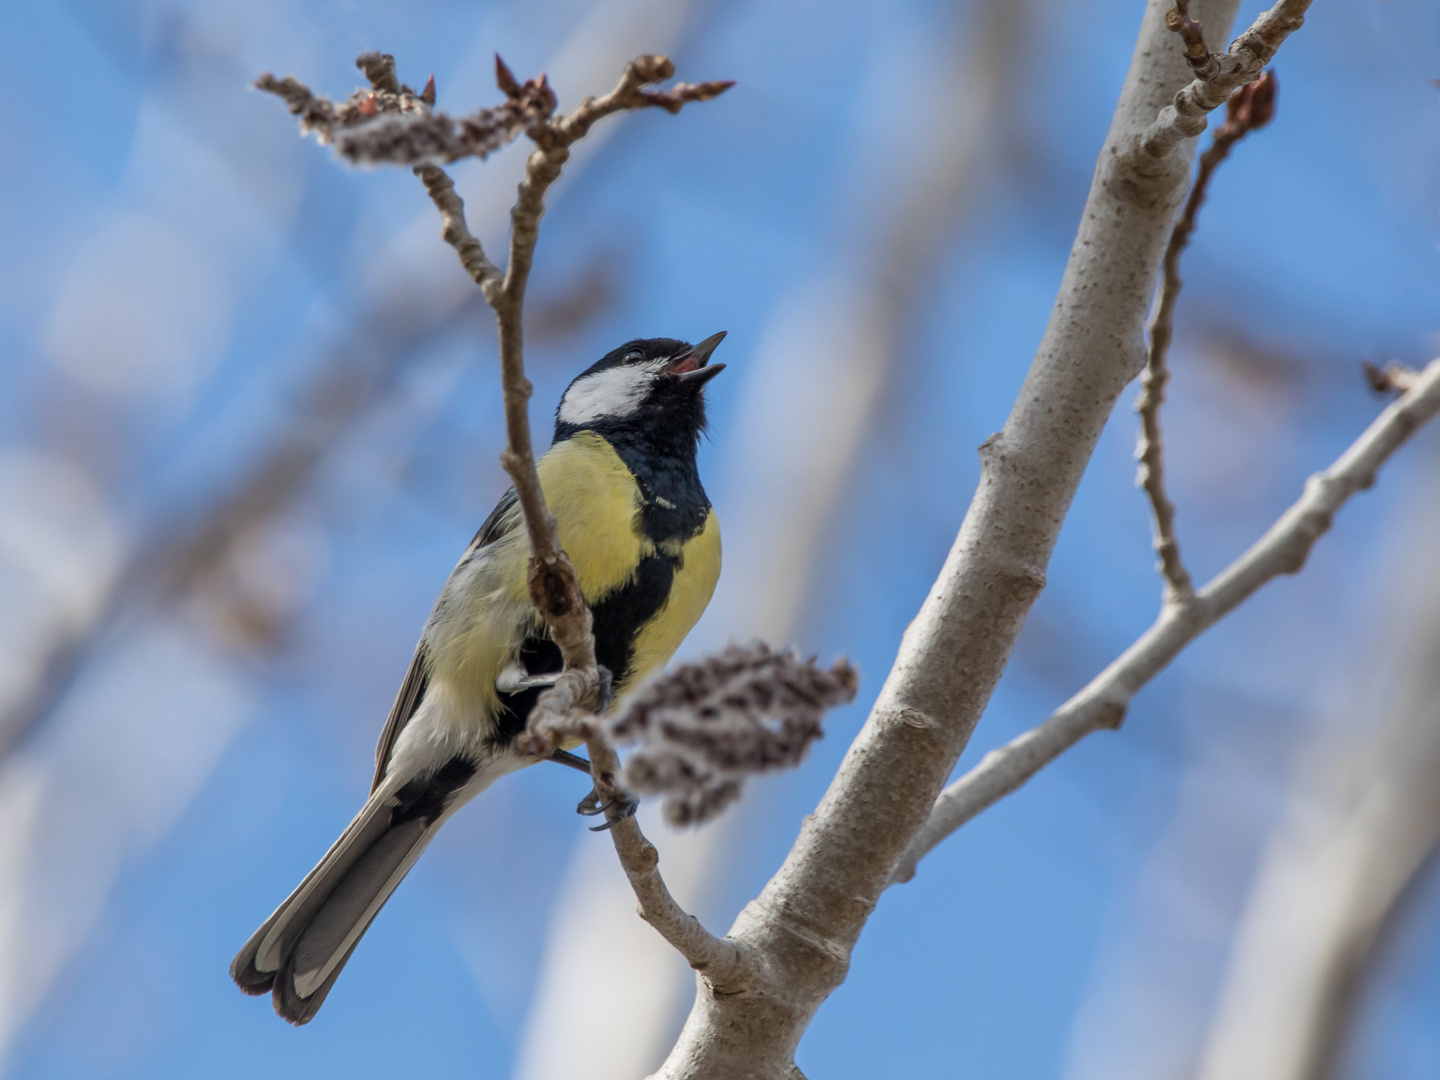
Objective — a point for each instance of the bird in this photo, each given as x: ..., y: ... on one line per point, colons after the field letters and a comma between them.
x: 621, y: 479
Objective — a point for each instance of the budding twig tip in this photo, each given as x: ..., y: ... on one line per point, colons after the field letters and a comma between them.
x: 505, y: 78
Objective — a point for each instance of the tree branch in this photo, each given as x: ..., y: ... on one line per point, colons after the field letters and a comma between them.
x: 1185, y: 117
x: 1103, y: 703
x: 1251, y: 108
x: 721, y: 959
x: 391, y: 123
x: 1202, y: 61
x: 457, y: 233
x: 554, y: 588
x: 807, y: 920
x: 568, y: 707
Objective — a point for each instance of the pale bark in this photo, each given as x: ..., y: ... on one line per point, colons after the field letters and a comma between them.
x: 841, y: 340
x: 1103, y: 703
x: 803, y: 926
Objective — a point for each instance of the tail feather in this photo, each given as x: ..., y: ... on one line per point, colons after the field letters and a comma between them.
x: 301, y: 949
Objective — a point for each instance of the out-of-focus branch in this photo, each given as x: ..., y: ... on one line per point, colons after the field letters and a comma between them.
x: 1394, y: 379
x: 1362, y: 827
x: 1103, y: 703
x: 1251, y: 107
x: 1185, y: 117
x: 177, y: 556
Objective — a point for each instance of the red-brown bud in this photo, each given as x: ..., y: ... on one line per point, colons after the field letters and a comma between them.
x: 505, y: 79
x: 1252, y: 107
x: 428, y: 94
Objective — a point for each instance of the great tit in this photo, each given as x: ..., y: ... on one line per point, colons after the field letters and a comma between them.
x: 621, y: 480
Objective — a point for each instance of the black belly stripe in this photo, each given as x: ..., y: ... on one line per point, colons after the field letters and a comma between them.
x: 618, y: 619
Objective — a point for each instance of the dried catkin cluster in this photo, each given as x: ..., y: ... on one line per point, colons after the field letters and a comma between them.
x: 702, y: 728
x: 392, y: 124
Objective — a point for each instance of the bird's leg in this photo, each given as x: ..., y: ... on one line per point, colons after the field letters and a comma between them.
x: 510, y: 682
x: 618, y: 809
x: 624, y: 804
x: 514, y: 679
x: 573, y: 761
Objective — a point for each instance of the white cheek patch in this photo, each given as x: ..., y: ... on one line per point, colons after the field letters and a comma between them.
x: 616, y: 391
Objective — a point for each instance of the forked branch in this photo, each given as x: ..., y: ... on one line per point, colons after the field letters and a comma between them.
x: 1185, y: 117
x: 1251, y: 108
x: 1103, y: 703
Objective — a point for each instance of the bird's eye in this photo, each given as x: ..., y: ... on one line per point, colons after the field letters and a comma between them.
x: 632, y: 356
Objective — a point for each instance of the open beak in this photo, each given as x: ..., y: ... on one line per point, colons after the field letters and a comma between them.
x: 694, y: 366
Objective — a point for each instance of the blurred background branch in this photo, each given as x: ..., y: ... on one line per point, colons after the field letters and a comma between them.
x: 1361, y: 824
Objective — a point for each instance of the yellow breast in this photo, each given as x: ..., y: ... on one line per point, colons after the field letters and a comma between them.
x: 690, y: 592
x: 597, y: 506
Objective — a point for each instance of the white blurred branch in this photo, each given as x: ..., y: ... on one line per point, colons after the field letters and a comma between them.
x: 178, y: 556
x: 1362, y: 821
x: 1103, y: 703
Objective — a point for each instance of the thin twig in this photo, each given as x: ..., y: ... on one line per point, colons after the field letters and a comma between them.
x: 456, y: 233
x: 721, y: 960
x: 1395, y: 379
x: 392, y: 123
x: 568, y: 707
x: 1185, y: 117
x: 1251, y: 108
x: 1103, y: 703
x: 1202, y: 61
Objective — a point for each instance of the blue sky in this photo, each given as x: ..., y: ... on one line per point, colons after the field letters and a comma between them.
x: 184, y: 277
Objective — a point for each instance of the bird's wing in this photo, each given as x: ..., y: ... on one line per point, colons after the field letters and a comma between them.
x: 417, y: 678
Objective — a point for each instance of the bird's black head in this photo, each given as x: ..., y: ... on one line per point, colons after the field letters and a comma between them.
x: 651, y: 389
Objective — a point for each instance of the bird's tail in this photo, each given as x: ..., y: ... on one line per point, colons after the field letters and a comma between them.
x: 301, y: 949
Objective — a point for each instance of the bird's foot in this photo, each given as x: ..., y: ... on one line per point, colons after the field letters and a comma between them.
x: 617, y: 809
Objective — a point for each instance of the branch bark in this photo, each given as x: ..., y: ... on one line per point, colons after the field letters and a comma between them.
x: 1103, y: 703
x: 809, y: 916
x: 1185, y: 117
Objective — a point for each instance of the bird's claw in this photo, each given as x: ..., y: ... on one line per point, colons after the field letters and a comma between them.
x: 616, y: 810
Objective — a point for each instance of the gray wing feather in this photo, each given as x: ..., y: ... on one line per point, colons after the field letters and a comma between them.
x: 412, y: 690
